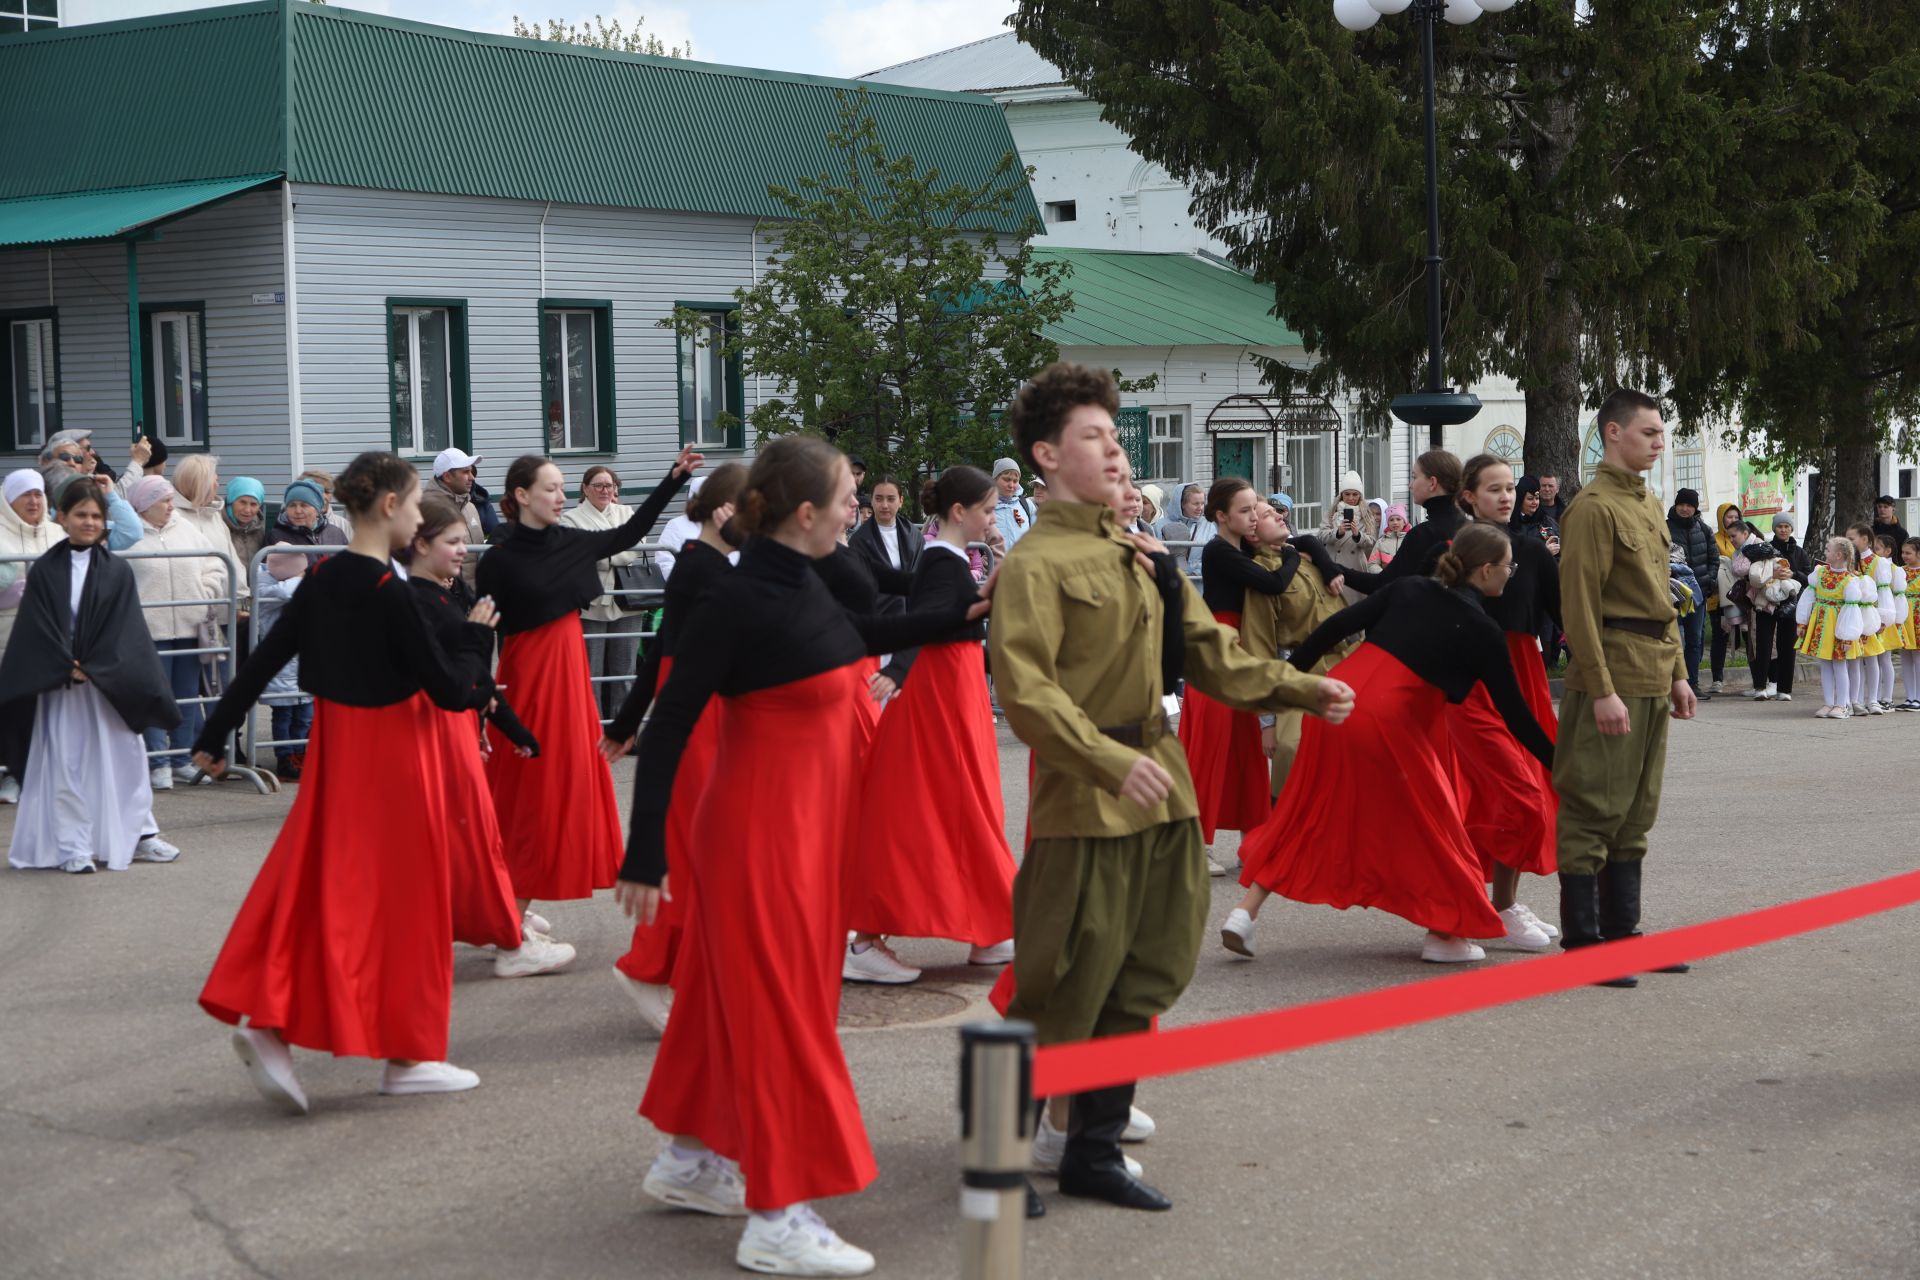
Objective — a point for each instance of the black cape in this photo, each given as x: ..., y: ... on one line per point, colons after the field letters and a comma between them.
x: 111, y: 644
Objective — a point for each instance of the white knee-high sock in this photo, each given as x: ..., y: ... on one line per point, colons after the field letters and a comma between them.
x: 1866, y: 685
x: 1886, y: 677
x: 1829, y: 679
x: 1850, y: 681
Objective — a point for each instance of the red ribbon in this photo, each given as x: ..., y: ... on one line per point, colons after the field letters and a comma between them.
x: 1096, y: 1064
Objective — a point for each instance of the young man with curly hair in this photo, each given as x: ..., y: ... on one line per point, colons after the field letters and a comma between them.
x: 1091, y: 627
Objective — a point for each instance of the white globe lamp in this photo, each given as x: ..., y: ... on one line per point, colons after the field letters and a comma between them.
x: 1495, y: 6
x: 1461, y: 12
x: 1355, y: 15
x: 1390, y: 7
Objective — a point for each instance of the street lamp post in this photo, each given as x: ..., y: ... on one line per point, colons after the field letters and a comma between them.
x: 1437, y: 405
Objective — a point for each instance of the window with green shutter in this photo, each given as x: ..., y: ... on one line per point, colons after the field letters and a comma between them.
x: 576, y: 375
x: 429, y: 390
x: 712, y: 391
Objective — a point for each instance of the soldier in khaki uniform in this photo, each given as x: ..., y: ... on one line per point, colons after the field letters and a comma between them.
x: 1111, y: 901
x: 1272, y: 625
x: 1626, y: 676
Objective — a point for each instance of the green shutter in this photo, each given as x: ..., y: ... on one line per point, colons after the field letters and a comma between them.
x: 736, y: 383
x: 1135, y: 428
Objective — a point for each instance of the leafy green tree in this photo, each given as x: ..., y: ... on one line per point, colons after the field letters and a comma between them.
x: 890, y: 315
x: 601, y: 34
x: 1821, y: 218
x: 1578, y: 154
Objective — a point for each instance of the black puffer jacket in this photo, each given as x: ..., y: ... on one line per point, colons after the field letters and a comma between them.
x: 1692, y: 536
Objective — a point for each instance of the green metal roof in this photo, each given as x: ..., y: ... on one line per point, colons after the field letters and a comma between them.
x: 108, y: 215
x: 1123, y: 299
x: 330, y: 95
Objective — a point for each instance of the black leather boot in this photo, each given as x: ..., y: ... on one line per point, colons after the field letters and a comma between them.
x: 1093, y: 1166
x: 1036, y: 1207
x: 1580, y: 919
x: 1620, y: 906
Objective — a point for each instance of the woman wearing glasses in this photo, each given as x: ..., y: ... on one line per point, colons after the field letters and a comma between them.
x: 1429, y: 645
x: 611, y: 623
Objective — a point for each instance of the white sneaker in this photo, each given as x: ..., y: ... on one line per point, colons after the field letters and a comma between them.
x: 161, y: 777
x: 708, y: 1183
x: 9, y: 789
x: 191, y: 776
x: 654, y: 1002
x: 1236, y: 935
x: 1783, y: 697
x: 1522, y: 932
x: 536, y: 922
x: 876, y: 964
x: 1215, y: 868
x: 155, y: 849
x: 270, y: 1063
x: 1875, y: 709
x: 1050, y: 1145
x: 798, y: 1244
x: 1753, y: 694
x: 1439, y: 950
x: 1858, y: 708
x: 427, y: 1077
x: 998, y: 953
x: 1841, y: 713
x: 536, y: 953
x: 1140, y: 1127
x: 80, y: 866
x: 1550, y: 930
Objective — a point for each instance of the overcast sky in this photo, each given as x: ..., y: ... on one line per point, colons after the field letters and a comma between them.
x: 825, y: 37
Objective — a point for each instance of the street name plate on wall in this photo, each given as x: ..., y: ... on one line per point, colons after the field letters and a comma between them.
x: 269, y: 299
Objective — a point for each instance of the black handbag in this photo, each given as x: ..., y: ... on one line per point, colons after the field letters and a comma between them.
x: 643, y: 575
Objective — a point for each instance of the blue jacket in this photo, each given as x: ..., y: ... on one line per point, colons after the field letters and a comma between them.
x: 123, y: 526
x: 1003, y: 509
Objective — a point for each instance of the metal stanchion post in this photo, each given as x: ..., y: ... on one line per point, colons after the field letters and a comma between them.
x: 996, y: 1142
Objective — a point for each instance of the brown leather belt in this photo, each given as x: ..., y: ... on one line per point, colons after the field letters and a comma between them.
x: 1143, y: 734
x: 1650, y: 627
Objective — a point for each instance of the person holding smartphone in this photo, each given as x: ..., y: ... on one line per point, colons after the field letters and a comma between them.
x: 1351, y: 529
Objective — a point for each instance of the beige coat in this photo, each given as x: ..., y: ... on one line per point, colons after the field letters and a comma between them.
x: 584, y: 516
x: 211, y: 522
x: 18, y: 538
x: 177, y: 578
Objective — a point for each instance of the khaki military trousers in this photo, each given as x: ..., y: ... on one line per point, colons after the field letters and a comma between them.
x: 1106, y: 930
x: 1609, y: 787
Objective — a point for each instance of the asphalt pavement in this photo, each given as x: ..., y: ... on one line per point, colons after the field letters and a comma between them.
x: 1759, y: 1117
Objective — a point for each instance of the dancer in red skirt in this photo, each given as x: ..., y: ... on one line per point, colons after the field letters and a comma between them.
x: 935, y: 753
x: 646, y: 970
x: 1223, y: 746
x: 1429, y: 642
x: 858, y: 584
x: 559, y: 822
x: 484, y: 913
x: 345, y: 942
x: 1507, y: 799
x: 750, y: 1069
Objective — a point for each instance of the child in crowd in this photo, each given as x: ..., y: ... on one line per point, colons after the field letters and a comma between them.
x: 1392, y: 534
x: 1910, y: 622
x: 1890, y: 601
x: 1828, y: 625
x: 1873, y: 668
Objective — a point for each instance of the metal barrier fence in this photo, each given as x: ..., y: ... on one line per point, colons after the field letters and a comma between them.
x: 223, y: 655
x: 646, y: 599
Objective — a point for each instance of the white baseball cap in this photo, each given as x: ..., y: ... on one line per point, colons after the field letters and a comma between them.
x: 453, y: 460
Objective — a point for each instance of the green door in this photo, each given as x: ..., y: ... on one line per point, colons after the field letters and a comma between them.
x: 1233, y: 458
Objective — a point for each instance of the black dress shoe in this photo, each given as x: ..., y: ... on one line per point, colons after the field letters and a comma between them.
x: 1093, y: 1166
x: 1036, y: 1207
x: 1675, y: 968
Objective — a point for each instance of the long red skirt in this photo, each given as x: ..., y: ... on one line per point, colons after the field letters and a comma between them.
x: 931, y: 859
x: 1223, y: 754
x: 1530, y: 669
x: 484, y: 913
x: 559, y: 824
x: 1369, y: 816
x: 1507, y: 800
x: 345, y: 941
x: 751, y: 1062
x: 866, y: 709
x: 656, y: 948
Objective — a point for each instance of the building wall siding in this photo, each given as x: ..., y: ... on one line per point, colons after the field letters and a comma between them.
x: 356, y: 248
x: 220, y: 257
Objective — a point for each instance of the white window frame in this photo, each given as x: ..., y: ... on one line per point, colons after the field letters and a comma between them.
x: 187, y: 325
x: 1312, y: 486
x: 1694, y: 460
x: 416, y: 427
x: 710, y: 434
x: 27, y: 436
x: 1160, y: 432
x: 569, y: 316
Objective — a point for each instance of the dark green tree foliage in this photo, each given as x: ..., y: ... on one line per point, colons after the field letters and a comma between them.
x: 1577, y: 156
x: 888, y: 315
x: 1820, y: 221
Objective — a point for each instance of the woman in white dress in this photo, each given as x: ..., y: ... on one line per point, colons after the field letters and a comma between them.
x: 79, y: 682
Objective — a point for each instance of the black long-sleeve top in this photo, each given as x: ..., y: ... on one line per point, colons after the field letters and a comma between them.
x: 1228, y: 572
x: 445, y: 615
x: 858, y: 583
x: 942, y: 584
x: 1533, y: 592
x: 537, y: 575
x: 772, y: 621
x: 697, y: 567
x: 1443, y: 635
x: 1422, y: 549
x: 361, y: 640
